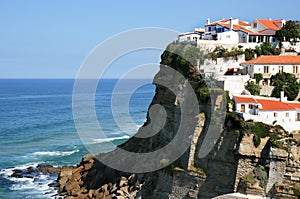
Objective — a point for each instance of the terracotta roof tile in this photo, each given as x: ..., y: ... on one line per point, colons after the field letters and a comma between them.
x: 295, y: 105
x: 274, y: 60
x: 268, y: 104
x: 244, y: 23
x: 237, y: 27
x: 269, y: 24
x: 245, y: 99
x: 274, y: 105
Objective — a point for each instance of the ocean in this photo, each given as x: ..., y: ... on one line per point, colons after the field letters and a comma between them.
x: 37, y: 127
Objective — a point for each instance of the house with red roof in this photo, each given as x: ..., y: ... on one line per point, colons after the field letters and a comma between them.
x: 234, y: 31
x: 269, y: 110
x: 270, y: 65
x: 260, y: 30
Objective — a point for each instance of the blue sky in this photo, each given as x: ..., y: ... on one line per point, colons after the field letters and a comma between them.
x: 51, y: 38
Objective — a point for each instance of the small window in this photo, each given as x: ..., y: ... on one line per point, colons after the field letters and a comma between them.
x: 266, y: 69
x: 250, y: 106
x: 287, y: 115
x: 295, y: 69
x: 280, y: 69
x: 254, y: 25
x: 243, y: 108
x: 275, y: 114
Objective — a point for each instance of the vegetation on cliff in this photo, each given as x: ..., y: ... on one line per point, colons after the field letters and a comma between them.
x: 216, y: 171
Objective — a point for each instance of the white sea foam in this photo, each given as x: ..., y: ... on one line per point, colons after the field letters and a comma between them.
x: 101, y: 140
x: 9, y: 171
x: 55, y: 153
x: 36, y: 185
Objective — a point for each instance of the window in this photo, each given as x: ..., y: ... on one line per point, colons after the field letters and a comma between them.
x: 243, y: 108
x: 287, y: 115
x: 266, y: 69
x: 209, y: 28
x: 188, y: 38
x: 275, y: 114
x: 280, y: 69
x: 298, y: 116
x: 254, y: 25
x: 295, y: 69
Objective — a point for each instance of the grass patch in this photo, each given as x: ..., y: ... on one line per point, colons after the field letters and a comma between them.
x: 249, y: 178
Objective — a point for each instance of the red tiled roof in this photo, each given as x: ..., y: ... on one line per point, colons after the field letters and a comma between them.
x: 274, y: 105
x: 245, y: 99
x: 268, y: 104
x: 244, y: 23
x: 274, y: 60
x: 237, y: 27
x: 295, y: 105
x: 217, y: 22
x: 246, y: 30
x: 212, y: 24
x: 269, y: 24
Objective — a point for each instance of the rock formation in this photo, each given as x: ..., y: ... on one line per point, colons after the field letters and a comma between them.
x: 247, y: 157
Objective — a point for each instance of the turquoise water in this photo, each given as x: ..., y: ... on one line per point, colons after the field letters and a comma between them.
x: 36, y: 126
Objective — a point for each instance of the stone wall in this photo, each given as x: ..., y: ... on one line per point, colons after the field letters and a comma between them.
x: 266, y: 90
x: 278, y: 158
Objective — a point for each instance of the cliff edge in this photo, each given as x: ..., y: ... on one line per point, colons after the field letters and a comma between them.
x: 225, y: 153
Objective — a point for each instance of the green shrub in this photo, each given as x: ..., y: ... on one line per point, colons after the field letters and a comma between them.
x: 262, y: 175
x: 256, y: 140
x: 258, y: 77
x: 249, y: 178
x: 261, y: 129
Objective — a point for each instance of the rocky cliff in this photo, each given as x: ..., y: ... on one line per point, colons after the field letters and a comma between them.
x: 225, y: 153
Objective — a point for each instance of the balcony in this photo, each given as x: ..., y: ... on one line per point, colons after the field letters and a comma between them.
x: 266, y: 75
x: 297, y: 75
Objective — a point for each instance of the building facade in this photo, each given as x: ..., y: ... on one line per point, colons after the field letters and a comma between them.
x: 236, y: 31
x: 269, y: 110
x: 270, y: 65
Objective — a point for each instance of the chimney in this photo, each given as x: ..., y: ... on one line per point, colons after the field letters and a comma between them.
x: 207, y: 21
x: 282, y: 98
x: 231, y: 24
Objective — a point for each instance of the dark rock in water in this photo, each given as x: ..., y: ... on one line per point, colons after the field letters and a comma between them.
x: 17, y: 173
x: 29, y: 172
x: 53, y: 184
x: 44, y: 168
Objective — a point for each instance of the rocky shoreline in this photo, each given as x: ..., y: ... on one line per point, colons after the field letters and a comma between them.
x: 248, y: 157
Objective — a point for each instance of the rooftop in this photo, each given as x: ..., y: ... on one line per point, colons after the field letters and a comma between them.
x: 274, y: 60
x: 267, y: 104
x: 270, y: 24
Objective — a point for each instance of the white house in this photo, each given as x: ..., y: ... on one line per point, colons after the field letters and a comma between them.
x: 235, y: 84
x: 269, y: 110
x: 259, y: 30
x: 192, y: 36
x: 228, y: 31
x: 234, y: 31
x: 270, y: 65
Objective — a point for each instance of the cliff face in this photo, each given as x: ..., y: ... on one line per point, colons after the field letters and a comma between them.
x: 226, y: 154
